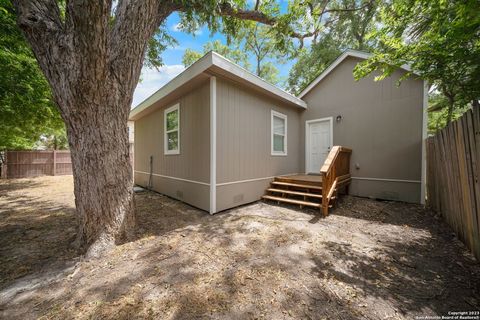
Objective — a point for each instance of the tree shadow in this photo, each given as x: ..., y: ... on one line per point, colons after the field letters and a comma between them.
x: 35, y: 232
x: 17, y: 184
x: 263, y: 261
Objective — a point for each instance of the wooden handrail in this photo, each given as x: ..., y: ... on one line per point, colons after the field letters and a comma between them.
x: 335, y: 171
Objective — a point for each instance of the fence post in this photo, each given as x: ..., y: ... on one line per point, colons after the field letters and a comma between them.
x: 54, y: 162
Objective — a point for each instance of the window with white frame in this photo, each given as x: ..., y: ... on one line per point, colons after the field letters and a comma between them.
x: 279, y: 134
x: 172, y: 130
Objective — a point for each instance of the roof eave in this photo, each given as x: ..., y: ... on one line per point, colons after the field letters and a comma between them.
x: 202, y: 65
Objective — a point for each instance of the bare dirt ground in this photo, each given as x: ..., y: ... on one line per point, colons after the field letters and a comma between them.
x: 368, y: 260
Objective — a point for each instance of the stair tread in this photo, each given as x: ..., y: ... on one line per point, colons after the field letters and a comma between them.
x: 305, y: 186
x: 300, y: 202
x: 298, y: 193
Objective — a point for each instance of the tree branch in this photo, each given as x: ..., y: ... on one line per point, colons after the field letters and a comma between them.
x: 41, y: 23
x: 135, y: 23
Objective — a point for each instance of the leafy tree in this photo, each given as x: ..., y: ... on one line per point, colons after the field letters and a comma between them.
x: 257, y: 40
x: 251, y: 39
x: 53, y: 140
x: 311, y: 62
x: 440, y: 40
x: 346, y: 27
x: 92, y: 54
x: 438, y: 111
x: 236, y: 55
x: 27, y: 110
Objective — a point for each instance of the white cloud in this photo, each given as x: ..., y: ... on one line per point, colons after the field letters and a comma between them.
x: 152, y: 80
x: 178, y: 28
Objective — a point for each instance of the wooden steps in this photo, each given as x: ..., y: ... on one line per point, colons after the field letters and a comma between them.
x: 293, y: 201
x: 287, y: 190
x: 317, y: 191
x: 296, y: 185
x: 297, y: 193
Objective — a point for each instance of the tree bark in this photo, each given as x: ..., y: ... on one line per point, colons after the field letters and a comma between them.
x: 103, y: 183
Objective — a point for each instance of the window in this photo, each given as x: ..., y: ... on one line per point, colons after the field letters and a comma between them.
x: 279, y: 134
x: 172, y: 130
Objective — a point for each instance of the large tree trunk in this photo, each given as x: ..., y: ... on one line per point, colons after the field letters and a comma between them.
x: 102, y: 173
x: 93, y: 68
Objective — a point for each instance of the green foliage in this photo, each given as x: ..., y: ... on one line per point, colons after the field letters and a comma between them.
x: 346, y: 27
x: 252, y: 39
x: 236, y: 55
x: 440, y: 40
x: 269, y: 73
x: 26, y: 108
x: 156, y: 45
x: 54, y: 140
x: 190, y: 56
x: 438, y: 109
x: 311, y: 62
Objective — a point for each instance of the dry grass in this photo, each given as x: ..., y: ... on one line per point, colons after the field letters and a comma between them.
x: 369, y: 259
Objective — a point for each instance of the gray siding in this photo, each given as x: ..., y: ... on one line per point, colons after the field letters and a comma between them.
x: 193, y: 162
x: 381, y: 122
x: 244, y: 145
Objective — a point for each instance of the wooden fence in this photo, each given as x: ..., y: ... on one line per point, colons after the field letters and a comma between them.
x: 25, y: 164
x: 453, y: 186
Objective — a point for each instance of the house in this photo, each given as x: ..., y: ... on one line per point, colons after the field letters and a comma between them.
x: 217, y: 135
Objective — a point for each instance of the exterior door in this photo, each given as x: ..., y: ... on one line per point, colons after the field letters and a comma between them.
x: 319, y: 143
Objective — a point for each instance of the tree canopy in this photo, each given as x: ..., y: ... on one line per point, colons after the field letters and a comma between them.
x: 235, y: 54
x: 439, y: 40
x: 27, y: 110
x: 346, y: 27
x: 251, y: 40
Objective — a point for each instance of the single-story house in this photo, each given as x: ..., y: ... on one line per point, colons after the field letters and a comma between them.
x: 217, y: 135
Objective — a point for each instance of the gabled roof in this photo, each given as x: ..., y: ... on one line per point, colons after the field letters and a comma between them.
x: 214, y: 63
x: 343, y: 56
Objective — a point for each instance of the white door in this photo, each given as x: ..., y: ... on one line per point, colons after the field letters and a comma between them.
x: 319, y: 144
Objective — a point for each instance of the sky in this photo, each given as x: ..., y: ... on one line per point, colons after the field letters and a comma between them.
x: 152, y: 80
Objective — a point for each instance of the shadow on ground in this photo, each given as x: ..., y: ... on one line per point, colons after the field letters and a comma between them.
x: 368, y: 259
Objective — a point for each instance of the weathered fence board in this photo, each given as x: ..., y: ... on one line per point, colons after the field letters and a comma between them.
x: 453, y: 186
x: 25, y: 164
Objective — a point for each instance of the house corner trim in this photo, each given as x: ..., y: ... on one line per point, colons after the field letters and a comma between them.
x: 213, y: 145
x: 424, y: 142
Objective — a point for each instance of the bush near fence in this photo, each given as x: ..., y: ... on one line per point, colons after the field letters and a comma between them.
x: 453, y: 188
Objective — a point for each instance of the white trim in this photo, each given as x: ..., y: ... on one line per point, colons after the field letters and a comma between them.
x: 256, y: 179
x: 213, y: 145
x: 277, y: 114
x: 386, y: 180
x: 307, y: 140
x: 343, y: 56
x: 173, y: 178
x: 209, y: 60
x: 175, y: 107
x: 424, y: 141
